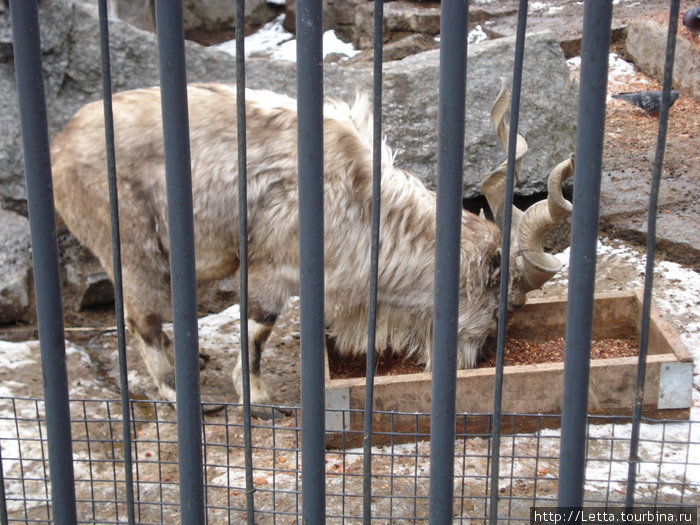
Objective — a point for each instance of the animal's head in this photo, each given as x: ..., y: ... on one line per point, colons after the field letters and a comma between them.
x: 530, y: 266
x: 480, y: 266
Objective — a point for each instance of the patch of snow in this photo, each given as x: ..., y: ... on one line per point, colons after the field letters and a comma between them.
x: 21, y: 439
x: 618, y: 66
x: 16, y: 355
x: 273, y: 41
x: 678, y: 303
x: 8, y: 388
x: 574, y: 63
x: 537, y: 6
x: 333, y: 44
x: 234, y: 477
x: 220, y: 330
x: 269, y: 36
x: 476, y: 35
x: 620, y: 72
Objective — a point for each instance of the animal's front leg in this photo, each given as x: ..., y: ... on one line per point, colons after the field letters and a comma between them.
x: 155, y: 349
x: 258, y: 332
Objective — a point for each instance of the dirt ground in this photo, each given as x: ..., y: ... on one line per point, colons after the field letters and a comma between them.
x: 630, y: 137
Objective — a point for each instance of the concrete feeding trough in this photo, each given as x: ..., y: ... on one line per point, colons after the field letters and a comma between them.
x: 528, y: 389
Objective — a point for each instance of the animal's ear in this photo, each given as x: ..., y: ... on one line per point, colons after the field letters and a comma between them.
x: 495, y: 268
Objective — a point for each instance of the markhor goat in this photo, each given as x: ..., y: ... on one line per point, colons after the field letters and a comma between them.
x: 406, y: 258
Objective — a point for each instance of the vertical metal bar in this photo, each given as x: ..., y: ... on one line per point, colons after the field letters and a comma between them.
x: 453, y: 79
x: 116, y: 258
x: 505, y: 259
x: 42, y: 222
x: 311, y: 273
x: 374, y: 261
x: 36, y: 410
x: 3, y: 502
x: 136, y: 452
x: 171, y: 58
x: 584, y: 237
x: 651, y: 250
x: 90, y: 473
x: 243, y: 255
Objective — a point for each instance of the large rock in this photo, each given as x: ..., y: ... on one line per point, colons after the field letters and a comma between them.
x: 15, y: 268
x: 547, y: 110
x: 72, y: 77
x: 139, y: 13
x: 646, y: 45
x: 624, y: 210
x: 547, y: 115
x: 338, y: 15
x: 83, y: 281
x: 401, y: 18
x: 203, y: 19
x: 209, y: 17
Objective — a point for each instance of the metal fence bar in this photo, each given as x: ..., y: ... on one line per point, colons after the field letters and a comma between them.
x: 311, y: 273
x: 597, y: 18
x: 243, y: 255
x: 505, y: 259
x: 374, y: 258
x: 452, y: 95
x: 42, y: 222
x: 3, y: 502
x: 651, y: 251
x: 171, y: 58
x: 116, y: 257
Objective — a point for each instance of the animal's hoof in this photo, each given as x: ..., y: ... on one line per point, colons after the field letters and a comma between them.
x: 268, y: 413
x: 168, y: 394
x: 166, y: 387
x: 213, y: 409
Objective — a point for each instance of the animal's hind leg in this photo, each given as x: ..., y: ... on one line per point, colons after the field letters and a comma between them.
x: 259, y: 328
x: 155, y: 350
x: 146, y: 288
x: 146, y: 282
x: 145, y: 268
x: 147, y: 302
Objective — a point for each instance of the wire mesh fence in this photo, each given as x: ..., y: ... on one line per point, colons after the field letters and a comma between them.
x: 669, y: 468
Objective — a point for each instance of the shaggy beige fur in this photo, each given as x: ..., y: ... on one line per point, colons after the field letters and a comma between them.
x: 406, y: 258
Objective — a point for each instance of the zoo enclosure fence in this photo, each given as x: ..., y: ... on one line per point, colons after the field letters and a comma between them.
x: 125, y: 464
x: 529, y: 463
